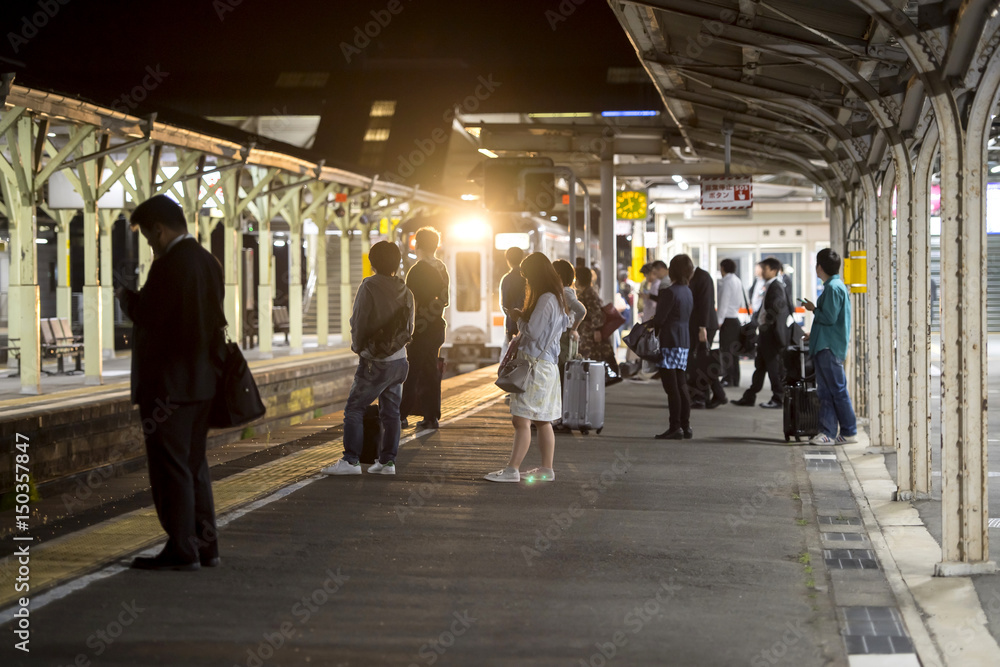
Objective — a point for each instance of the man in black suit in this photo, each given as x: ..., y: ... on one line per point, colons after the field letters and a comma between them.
x: 703, y: 325
x: 178, y: 320
x: 773, y: 336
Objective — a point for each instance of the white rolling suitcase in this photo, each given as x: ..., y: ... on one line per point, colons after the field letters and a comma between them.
x: 583, y: 395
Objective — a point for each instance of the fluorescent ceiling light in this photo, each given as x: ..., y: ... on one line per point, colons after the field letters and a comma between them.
x: 613, y: 114
x: 487, y: 152
x: 575, y: 114
x: 677, y: 178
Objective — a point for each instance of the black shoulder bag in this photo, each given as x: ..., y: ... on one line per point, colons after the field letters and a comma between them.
x: 237, y: 399
x: 748, y: 331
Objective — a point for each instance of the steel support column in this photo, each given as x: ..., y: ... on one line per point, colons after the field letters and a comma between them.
x: 871, y: 368
x: 917, y: 333
x: 884, y: 295
x: 608, y: 238
x: 24, y: 306
x: 265, y: 293
x: 93, y: 298
x: 106, y: 220
x: 322, y: 296
x: 232, y: 232
x: 64, y: 295
x: 346, y: 295
x: 293, y: 215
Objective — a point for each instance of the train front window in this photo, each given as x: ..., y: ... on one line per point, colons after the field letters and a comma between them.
x: 468, y: 282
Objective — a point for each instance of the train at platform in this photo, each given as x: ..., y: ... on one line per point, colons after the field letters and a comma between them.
x: 473, y: 248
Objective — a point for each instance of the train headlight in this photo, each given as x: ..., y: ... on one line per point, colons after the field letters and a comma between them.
x: 471, y: 229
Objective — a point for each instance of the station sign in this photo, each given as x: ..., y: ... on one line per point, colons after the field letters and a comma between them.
x: 720, y: 193
x: 631, y: 205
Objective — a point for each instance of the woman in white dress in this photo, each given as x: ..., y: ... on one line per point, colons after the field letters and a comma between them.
x: 540, y: 326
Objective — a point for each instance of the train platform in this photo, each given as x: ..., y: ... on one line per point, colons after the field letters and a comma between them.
x: 118, y: 369
x: 734, y: 547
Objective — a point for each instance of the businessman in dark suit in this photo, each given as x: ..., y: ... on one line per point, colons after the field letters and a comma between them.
x: 177, y: 324
x: 703, y: 325
x: 773, y: 336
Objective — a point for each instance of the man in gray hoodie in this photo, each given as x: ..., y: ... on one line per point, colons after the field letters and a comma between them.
x: 381, y: 326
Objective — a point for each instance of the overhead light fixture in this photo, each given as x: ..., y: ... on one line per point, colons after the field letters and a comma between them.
x: 677, y: 178
x: 995, y: 170
x: 683, y: 185
x: 614, y: 114
x: 487, y: 152
x: 51, y: 134
x: 575, y: 114
x: 41, y: 241
x: 278, y: 243
x: 469, y: 197
x: 554, y: 218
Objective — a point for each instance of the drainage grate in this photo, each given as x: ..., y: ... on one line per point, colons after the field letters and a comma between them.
x: 840, y: 520
x: 843, y: 537
x: 874, y: 630
x: 850, y: 559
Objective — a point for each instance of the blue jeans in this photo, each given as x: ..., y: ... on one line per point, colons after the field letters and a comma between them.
x: 831, y: 389
x: 374, y: 379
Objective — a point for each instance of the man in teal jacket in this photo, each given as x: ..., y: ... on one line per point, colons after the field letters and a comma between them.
x: 828, y: 339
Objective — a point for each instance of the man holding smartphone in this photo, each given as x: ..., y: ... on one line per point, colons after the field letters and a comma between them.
x: 828, y: 340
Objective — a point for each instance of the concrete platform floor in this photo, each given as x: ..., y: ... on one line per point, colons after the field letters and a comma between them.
x: 643, y: 552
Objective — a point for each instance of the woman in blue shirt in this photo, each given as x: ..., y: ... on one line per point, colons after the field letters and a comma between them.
x: 540, y: 326
x: 673, y: 311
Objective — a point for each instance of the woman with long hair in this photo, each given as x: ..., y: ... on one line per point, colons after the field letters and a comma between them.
x: 592, y: 344
x: 674, y: 304
x: 540, y: 326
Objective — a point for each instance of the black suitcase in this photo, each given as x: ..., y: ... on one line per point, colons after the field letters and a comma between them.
x: 800, y: 402
x: 372, y: 426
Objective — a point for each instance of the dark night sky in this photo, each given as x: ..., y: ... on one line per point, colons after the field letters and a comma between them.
x: 219, y: 59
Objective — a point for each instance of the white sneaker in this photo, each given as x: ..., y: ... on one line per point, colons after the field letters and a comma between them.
x: 342, y: 467
x: 822, y: 439
x: 539, y: 475
x: 846, y: 439
x: 382, y: 469
x: 505, y: 475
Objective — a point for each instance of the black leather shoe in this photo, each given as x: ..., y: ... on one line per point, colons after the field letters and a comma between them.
x: 161, y: 562
x: 688, y: 433
x: 716, y: 402
x: 745, y: 402
x: 427, y: 423
x: 671, y: 434
x: 209, y: 561
x: 771, y: 405
x: 697, y: 405
x: 403, y: 422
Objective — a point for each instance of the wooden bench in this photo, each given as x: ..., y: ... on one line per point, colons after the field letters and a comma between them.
x: 56, y: 344
x: 282, y: 324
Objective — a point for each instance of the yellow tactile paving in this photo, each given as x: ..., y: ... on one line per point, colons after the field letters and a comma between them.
x: 76, y: 554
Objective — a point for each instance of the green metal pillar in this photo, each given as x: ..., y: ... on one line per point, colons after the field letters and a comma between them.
x: 107, y: 219
x: 265, y: 286
x: 294, y: 217
x: 232, y: 254
x: 93, y: 304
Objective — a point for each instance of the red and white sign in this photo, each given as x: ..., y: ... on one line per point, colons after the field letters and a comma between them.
x: 726, y: 192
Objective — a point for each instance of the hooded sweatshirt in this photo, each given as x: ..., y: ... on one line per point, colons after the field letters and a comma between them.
x: 378, y: 299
